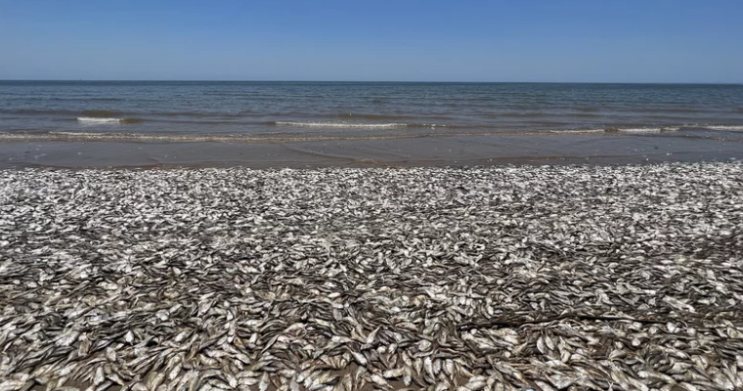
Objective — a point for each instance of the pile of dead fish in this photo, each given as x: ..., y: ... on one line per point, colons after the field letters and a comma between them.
x: 507, y: 278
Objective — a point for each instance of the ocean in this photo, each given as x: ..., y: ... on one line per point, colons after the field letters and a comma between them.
x: 287, y: 112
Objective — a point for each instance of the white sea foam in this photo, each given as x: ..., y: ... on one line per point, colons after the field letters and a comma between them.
x: 341, y: 125
x: 390, y: 125
x: 643, y: 130
x: 726, y: 127
x: 579, y: 131
x: 619, y: 130
x: 93, y: 120
x: 640, y: 130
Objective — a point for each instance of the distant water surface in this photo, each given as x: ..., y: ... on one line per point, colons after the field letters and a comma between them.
x: 307, y: 110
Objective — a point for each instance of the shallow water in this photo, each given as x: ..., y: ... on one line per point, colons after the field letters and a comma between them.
x: 405, y: 152
x: 349, y: 109
x: 482, y: 120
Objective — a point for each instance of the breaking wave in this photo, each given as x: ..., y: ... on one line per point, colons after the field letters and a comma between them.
x: 344, y: 125
x: 620, y: 130
x: 726, y: 127
x: 110, y: 121
x: 641, y: 130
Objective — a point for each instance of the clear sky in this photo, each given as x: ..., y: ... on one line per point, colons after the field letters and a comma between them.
x: 402, y: 40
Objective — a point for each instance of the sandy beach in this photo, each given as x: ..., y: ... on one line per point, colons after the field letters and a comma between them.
x: 499, y: 278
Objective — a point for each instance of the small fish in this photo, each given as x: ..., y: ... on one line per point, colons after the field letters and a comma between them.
x: 360, y: 359
x: 264, y: 383
x: 371, y: 337
x: 110, y: 354
x: 428, y: 366
x: 139, y: 386
x: 393, y: 373
x: 154, y: 379
x: 379, y: 380
x: 99, y: 376
x: 173, y: 374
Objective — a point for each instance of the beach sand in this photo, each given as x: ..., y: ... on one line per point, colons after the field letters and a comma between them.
x: 503, y: 278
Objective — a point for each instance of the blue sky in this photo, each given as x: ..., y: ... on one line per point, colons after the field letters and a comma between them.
x: 405, y: 40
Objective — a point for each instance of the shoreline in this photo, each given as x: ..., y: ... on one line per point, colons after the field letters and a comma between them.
x: 413, y: 151
x: 501, y: 278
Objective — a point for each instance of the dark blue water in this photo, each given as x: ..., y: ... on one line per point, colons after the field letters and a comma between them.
x: 307, y: 109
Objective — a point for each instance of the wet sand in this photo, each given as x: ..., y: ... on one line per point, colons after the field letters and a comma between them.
x: 600, y: 148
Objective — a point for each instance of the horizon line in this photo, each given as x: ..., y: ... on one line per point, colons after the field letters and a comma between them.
x: 366, y: 81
